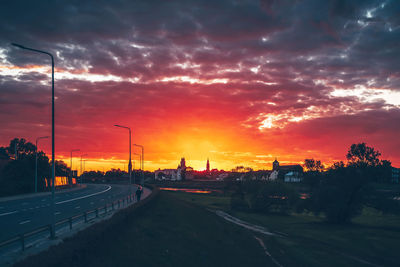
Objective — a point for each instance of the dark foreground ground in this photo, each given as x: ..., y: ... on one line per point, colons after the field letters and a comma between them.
x: 372, y: 239
x: 167, y: 231
x: 178, y: 229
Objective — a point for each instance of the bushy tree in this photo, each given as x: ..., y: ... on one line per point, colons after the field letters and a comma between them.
x: 238, y: 200
x: 18, y: 175
x: 313, y: 165
x: 61, y: 168
x: 4, y: 154
x: 362, y: 155
x: 345, y: 189
x: 273, y: 197
x: 313, y: 175
x: 21, y: 147
x: 383, y: 172
x: 341, y: 194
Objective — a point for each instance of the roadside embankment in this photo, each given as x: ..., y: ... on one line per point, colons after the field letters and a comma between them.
x: 160, y: 231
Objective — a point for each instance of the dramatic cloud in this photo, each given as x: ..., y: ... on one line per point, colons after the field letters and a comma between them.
x: 240, y: 81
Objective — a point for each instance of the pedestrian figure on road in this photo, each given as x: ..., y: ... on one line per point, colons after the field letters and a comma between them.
x: 139, y: 192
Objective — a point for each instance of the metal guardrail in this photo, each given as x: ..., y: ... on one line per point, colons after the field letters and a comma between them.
x: 103, y: 210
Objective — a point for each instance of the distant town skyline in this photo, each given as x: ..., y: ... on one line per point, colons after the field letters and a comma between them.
x: 239, y: 82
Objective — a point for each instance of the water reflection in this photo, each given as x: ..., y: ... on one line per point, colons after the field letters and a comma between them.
x: 189, y: 190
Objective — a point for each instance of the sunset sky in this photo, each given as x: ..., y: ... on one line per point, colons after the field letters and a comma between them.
x: 238, y: 82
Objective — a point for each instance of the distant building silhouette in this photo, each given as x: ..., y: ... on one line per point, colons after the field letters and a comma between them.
x: 208, y: 165
x: 395, y: 175
x: 177, y: 174
x: 183, y: 164
x: 275, y: 165
x: 291, y: 173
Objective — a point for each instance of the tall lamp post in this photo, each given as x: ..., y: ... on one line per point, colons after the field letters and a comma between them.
x: 53, y: 172
x: 130, y: 161
x: 73, y: 150
x: 36, y: 152
x: 81, y: 166
x: 142, y: 167
x: 140, y: 162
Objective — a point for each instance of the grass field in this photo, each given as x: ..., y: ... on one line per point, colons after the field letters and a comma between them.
x: 372, y: 238
x: 165, y: 232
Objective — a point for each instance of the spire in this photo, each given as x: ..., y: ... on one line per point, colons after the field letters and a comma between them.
x: 208, y: 165
x: 275, y: 165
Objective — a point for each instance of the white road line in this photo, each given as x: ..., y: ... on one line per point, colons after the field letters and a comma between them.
x: 7, y: 213
x: 24, y: 222
x: 77, y: 207
x: 266, y: 251
x: 69, y: 200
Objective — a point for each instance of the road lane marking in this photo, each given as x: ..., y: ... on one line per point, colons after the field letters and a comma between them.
x: 69, y: 200
x: 77, y: 207
x: 24, y: 222
x: 8, y: 213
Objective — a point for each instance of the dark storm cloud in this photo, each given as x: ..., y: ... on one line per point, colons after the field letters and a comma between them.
x: 278, y: 57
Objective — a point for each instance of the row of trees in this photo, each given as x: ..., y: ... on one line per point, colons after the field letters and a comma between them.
x: 17, y: 168
x: 339, y: 192
x: 114, y: 175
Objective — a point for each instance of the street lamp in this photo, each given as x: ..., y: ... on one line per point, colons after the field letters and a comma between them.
x: 142, y: 147
x: 53, y: 172
x: 36, y: 151
x: 73, y: 150
x: 140, y: 162
x: 130, y: 162
x: 81, y: 166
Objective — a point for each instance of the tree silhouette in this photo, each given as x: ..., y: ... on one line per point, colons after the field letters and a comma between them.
x: 20, y: 146
x: 4, y: 154
x: 313, y: 165
x: 362, y: 155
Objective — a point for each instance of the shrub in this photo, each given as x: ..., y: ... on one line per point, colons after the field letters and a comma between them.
x: 238, y: 201
x: 273, y: 197
x: 341, y: 194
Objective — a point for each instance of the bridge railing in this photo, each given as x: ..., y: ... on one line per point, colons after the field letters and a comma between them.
x: 85, y: 217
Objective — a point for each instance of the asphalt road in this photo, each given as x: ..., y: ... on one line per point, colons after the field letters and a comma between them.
x: 18, y: 216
